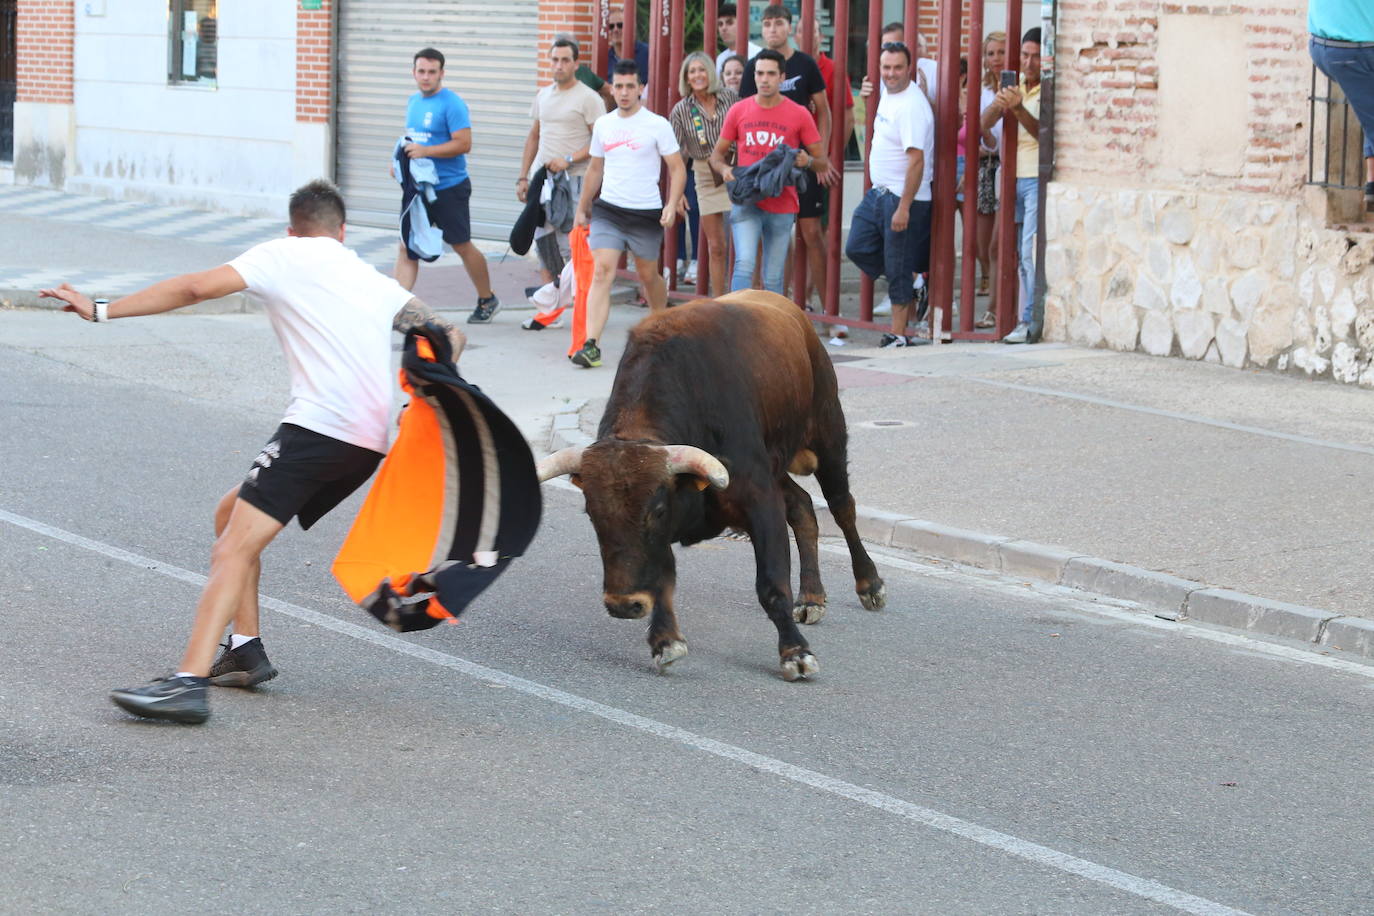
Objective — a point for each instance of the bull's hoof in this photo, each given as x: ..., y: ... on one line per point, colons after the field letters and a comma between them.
x: 799, y: 666
x: 873, y: 598
x: 808, y: 612
x: 669, y: 652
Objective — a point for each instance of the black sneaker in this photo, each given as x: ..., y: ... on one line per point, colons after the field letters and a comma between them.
x: 894, y: 340
x: 486, y: 309
x: 180, y: 699
x: 531, y: 290
x: 921, y: 299
x: 246, y: 666
x: 589, y: 357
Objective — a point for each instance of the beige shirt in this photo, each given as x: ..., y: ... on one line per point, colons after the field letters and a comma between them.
x: 1027, y: 147
x: 565, y: 119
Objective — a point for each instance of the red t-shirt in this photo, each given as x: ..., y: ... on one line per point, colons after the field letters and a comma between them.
x: 757, y: 131
x: 827, y: 68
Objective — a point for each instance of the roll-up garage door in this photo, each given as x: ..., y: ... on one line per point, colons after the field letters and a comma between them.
x: 491, y: 57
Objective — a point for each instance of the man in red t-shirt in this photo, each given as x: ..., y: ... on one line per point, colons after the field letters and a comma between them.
x: 756, y: 126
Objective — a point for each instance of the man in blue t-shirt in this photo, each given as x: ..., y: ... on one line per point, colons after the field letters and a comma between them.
x: 439, y: 128
x: 1343, y: 48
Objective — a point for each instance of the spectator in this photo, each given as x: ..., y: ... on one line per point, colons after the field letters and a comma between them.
x: 757, y: 125
x: 890, y: 232
x: 439, y: 128
x: 732, y: 74
x: 926, y: 70
x: 627, y: 146
x: 1342, y: 47
x: 801, y: 83
x: 1024, y: 104
x: 989, y: 158
x: 697, y: 121
x: 587, y: 76
x: 563, y: 113
x: 615, y: 32
x: 725, y: 31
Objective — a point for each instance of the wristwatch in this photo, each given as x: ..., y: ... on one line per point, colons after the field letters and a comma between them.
x: 100, y: 310
x: 570, y: 161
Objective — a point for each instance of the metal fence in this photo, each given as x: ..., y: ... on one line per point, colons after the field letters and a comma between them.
x: 1335, y: 157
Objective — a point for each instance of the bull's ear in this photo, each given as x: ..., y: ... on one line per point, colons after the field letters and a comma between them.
x: 575, y: 480
x: 701, y: 482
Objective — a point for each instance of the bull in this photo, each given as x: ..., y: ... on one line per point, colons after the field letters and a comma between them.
x: 714, y: 403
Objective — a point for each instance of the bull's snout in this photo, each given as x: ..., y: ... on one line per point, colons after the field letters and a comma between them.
x: 629, y: 607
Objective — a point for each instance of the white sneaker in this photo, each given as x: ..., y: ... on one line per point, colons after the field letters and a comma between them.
x: 1018, y: 335
x: 690, y: 274
x: 884, y: 307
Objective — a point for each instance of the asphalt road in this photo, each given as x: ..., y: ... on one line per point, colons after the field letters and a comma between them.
x: 981, y: 746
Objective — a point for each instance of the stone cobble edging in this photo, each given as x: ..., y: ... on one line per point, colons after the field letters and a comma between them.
x: 1164, y: 595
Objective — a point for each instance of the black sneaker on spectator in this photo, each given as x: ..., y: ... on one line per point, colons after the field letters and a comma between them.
x: 178, y: 699
x: 589, y: 357
x: 486, y: 309
x: 921, y: 299
x: 246, y: 666
x: 531, y: 290
x: 894, y: 340
x: 534, y: 324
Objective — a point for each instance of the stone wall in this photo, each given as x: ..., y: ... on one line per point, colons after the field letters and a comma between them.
x: 1247, y: 280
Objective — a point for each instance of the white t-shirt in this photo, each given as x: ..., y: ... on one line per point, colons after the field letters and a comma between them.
x: 332, y: 313
x: 633, y: 148
x: 728, y: 53
x: 904, y: 121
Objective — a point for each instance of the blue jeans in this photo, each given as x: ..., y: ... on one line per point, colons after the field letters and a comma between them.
x: 1028, y: 215
x: 1353, y: 70
x: 879, y: 252
x: 749, y: 224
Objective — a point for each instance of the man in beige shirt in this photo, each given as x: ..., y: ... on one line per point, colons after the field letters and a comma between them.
x: 563, y: 113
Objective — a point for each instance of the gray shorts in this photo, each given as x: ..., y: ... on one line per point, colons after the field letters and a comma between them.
x: 620, y: 228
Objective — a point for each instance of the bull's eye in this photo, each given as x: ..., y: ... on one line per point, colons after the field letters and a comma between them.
x: 658, y: 512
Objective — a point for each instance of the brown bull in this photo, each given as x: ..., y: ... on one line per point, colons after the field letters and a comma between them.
x: 713, y: 403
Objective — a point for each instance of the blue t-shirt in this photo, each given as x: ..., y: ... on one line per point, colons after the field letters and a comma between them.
x: 434, y: 120
x: 1346, y: 20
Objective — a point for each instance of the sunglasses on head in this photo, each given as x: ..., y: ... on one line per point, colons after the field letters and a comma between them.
x: 894, y: 46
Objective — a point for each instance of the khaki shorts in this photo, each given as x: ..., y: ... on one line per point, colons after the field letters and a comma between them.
x: 711, y: 197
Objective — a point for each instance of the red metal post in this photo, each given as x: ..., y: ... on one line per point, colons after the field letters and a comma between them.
x: 942, y: 215
x: 742, y: 31
x: 839, y: 50
x: 806, y: 41
x: 875, y: 38
x: 1008, y: 286
x: 599, y: 41
x: 630, y: 32
x: 968, y: 280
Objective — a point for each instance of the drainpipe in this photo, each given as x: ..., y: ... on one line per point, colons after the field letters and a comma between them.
x: 1049, y: 15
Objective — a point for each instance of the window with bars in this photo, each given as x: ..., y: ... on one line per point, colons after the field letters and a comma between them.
x: 193, y: 39
x: 1335, y: 142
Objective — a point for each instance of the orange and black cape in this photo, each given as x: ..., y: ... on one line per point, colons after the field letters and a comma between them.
x: 455, y: 500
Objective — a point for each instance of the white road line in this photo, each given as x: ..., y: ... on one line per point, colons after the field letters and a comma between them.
x: 1002, y: 842
x: 1123, y: 612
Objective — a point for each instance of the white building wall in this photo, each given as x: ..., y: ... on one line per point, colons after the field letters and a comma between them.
x: 229, y: 148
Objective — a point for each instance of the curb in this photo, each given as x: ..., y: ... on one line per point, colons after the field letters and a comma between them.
x: 1168, y: 597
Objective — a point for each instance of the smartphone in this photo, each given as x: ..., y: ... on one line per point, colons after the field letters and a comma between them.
x: 1009, y: 80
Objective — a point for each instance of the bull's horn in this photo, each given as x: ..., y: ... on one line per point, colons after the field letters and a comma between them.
x: 563, y: 461
x: 688, y: 459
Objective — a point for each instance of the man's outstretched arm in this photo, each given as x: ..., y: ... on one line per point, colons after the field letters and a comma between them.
x: 178, y: 292
x: 415, y: 313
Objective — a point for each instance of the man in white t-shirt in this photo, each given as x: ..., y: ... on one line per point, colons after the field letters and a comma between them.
x: 889, y: 234
x: 563, y: 113
x: 333, y: 315
x: 927, y: 73
x: 628, y: 145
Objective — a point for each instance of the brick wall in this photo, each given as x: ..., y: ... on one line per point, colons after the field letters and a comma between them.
x: 314, y: 63
x: 1108, y: 82
x: 575, y: 17
x: 44, y: 49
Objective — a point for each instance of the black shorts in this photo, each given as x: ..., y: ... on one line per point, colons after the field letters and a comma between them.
x: 814, y: 201
x: 449, y: 211
x: 303, y: 474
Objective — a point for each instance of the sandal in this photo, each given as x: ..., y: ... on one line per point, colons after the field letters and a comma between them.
x: 987, y: 321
